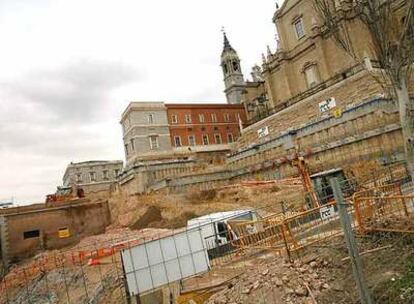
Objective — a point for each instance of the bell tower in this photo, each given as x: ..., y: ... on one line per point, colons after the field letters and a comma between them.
x: 233, y: 76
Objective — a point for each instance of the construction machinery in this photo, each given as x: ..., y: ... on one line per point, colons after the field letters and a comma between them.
x: 63, y: 194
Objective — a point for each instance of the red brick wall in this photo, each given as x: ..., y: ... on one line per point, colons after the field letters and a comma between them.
x: 209, y: 127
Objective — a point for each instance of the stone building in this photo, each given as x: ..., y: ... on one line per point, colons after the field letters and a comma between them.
x: 306, y: 72
x: 28, y: 229
x: 310, y: 99
x: 93, y: 176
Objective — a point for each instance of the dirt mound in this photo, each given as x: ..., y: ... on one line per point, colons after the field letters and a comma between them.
x: 198, y: 196
x: 153, y: 214
x: 174, y: 223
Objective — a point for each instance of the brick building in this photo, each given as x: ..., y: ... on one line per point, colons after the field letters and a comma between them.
x: 204, y: 124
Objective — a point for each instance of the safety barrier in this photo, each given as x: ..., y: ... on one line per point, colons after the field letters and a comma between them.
x: 59, y: 260
x: 379, y: 190
x: 385, y: 214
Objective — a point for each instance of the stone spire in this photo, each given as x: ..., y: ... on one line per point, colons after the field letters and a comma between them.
x: 226, y: 43
x: 233, y: 76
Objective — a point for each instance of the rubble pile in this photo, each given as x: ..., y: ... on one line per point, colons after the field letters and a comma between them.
x: 279, y: 281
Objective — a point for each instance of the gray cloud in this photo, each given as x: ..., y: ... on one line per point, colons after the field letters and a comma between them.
x: 51, y: 117
x: 77, y: 92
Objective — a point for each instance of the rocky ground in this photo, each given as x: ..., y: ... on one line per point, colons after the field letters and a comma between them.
x: 324, y: 275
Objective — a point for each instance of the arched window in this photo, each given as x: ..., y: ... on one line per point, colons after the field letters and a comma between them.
x: 235, y: 66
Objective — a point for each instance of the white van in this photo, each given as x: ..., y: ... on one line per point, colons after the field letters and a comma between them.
x: 214, y: 227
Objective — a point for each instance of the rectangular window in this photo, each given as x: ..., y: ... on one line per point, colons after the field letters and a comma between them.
x: 300, y: 32
x: 311, y: 75
x: 191, y: 140
x: 213, y: 117
x: 205, y: 139
x: 230, y: 138
x: 151, y: 118
x: 79, y: 178
x: 177, y: 141
x: 105, y: 174
x: 154, y: 142
x: 217, y: 138
x: 31, y: 234
x: 174, y: 119
x: 226, y: 117
x: 126, y: 149
x: 187, y: 118
x: 132, y: 144
x: 116, y: 172
x: 201, y: 118
x: 92, y: 176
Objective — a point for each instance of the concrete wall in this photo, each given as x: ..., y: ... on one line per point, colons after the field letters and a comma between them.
x: 366, y: 132
x: 81, y: 220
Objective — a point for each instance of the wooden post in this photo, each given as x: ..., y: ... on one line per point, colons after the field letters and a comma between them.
x: 364, y: 294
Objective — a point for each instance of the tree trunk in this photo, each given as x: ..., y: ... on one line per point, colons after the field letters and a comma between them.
x: 407, y: 125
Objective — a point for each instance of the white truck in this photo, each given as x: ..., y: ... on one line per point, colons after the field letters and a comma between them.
x: 214, y: 229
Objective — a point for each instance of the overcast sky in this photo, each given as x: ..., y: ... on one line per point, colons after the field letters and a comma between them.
x: 68, y: 68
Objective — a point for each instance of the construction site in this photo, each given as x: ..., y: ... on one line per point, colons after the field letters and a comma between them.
x: 299, y: 189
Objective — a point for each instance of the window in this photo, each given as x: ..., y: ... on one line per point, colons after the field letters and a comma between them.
x: 78, y: 177
x: 222, y: 229
x: 213, y: 117
x: 177, y: 141
x: 105, y: 174
x: 132, y: 144
x: 31, y: 234
x: 300, y: 32
x: 226, y: 117
x: 174, y: 119
x: 217, y: 138
x: 126, y: 149
x: 226, y: 69
x: 201, y: 118
x: 205, y: 139
x: 191, y: 140
x: 151, y: 118
x: 230, y: 138
x: 154, y: 142
x: 311, y: 75
x: 116, y: 172
x: 187, y: 118
x: 92, y: 176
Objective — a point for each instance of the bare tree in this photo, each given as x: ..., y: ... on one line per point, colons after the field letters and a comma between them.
x: 390, y: 24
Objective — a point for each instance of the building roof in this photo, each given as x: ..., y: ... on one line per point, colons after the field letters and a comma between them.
x: 203, y: 106
x: 95, y: 162
x: 215, y: 217
x: 143, y: 106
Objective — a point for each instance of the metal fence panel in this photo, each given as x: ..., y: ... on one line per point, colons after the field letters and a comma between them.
x: 159, y: 262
